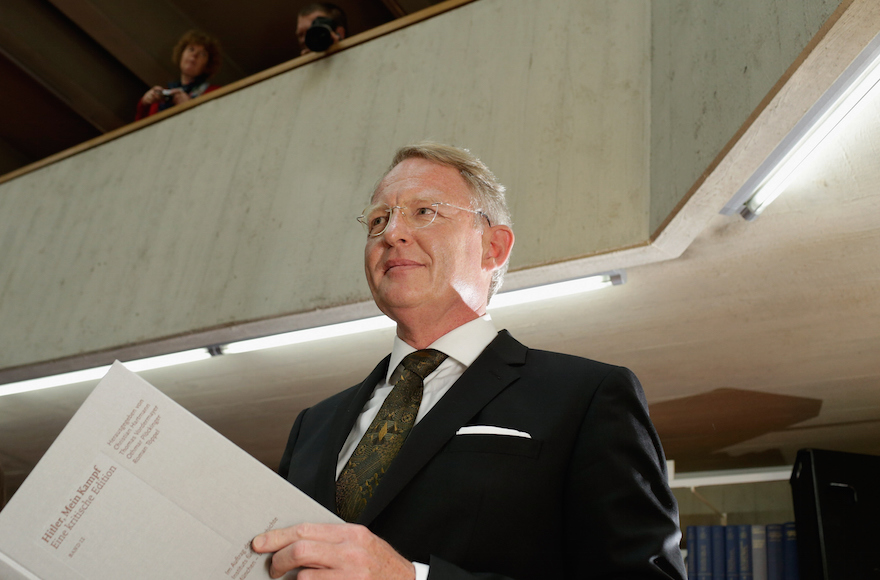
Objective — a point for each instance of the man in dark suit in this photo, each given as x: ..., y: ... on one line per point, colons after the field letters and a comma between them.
x: 521, y: 464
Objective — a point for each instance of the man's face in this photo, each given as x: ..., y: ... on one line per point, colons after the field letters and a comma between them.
x: 439, y: 267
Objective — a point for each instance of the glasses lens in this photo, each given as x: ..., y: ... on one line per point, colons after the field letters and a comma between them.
x: 422, y: 213
x: 375, y: 219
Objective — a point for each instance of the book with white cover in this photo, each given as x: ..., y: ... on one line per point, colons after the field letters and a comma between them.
x: 137, y: 487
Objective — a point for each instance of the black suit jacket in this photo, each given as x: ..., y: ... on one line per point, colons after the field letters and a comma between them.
x: 585, y: 497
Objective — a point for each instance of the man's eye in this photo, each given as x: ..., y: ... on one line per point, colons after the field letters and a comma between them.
x: 427, y: 210
x: 378, y: 220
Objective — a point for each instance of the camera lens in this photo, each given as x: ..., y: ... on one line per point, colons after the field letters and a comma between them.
x: 319, y: 36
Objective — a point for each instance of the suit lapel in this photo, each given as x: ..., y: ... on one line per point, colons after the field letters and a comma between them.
x: 490, y: 374
x: 340, y: 426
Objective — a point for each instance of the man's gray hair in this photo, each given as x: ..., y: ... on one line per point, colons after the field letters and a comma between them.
x: 488, y: 194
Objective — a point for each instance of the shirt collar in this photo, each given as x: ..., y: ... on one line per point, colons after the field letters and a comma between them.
x: 463, y: 344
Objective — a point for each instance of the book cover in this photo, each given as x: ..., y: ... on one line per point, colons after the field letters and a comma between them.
x: 718, y: 552
x: 136, y: 487
x: 731, y: 557
x: 745, y: 551
x: 774, y: 551
x: 759, y: 552
x: 704, y: 553
x: 789, y: 552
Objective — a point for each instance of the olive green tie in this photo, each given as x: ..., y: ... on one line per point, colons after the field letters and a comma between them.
x: 386, y: 434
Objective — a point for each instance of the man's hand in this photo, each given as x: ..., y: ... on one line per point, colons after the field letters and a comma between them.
x: 152, y: 95
x: 333, y: 552
x: 178, y: 97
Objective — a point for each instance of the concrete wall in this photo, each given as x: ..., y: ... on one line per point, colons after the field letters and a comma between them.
x: 242, y: 209
x: 712, y: 64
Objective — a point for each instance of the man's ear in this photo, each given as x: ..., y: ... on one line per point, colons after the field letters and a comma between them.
x: 497, y: 244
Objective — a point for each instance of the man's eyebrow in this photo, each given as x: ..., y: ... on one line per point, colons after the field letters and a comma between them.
x: 420, y: 199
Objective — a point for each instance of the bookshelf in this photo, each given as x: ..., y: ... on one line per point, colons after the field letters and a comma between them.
x: 749, y: 499
x: 756, y: 496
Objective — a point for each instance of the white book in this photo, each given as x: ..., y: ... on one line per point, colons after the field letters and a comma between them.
x: 759, y: 552
x: 136, y: 487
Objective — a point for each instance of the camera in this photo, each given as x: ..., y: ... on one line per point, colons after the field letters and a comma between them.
x: 319, y: 36
x: 167, y: 94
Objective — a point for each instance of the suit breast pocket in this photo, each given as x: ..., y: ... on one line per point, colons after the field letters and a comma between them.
x: 495, y: 444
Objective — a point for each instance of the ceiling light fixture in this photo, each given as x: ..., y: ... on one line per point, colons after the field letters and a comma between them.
x: 774, y: 175
x: 502, y: 300
x: 557, y: 290
x: 310, y: 334
x: 93, y: 374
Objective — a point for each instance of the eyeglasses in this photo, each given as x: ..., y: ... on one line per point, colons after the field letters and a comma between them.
x: 376, y: 218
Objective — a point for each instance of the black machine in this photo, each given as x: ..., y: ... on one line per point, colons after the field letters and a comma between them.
x: 837, y: 515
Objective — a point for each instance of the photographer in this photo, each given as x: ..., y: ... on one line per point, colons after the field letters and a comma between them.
x: 319, y: 26
x: 198, y: 56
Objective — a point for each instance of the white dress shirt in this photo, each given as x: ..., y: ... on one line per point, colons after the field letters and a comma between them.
x: 463, y: 345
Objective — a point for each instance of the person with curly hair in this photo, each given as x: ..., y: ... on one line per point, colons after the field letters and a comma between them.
x: 198, y: 56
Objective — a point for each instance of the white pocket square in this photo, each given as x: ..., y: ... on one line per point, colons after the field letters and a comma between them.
x: 491, y: 430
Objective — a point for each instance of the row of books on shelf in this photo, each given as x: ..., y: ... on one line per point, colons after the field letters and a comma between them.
x: 742, y: 552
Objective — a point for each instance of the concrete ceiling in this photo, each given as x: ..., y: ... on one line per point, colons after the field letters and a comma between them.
x: 762, y: 338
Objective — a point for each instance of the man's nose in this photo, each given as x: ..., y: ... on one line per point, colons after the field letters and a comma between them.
x: 398, y: 225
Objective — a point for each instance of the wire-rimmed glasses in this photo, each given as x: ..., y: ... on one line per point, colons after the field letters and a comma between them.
x: 419, y: 214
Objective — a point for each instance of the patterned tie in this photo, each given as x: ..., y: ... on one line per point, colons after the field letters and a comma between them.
x: 386, y: 434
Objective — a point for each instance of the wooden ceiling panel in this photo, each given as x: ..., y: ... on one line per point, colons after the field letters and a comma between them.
x: 46, y: 46
x: 696, y: 429
x: 116, y: 39
x: 27, y: 111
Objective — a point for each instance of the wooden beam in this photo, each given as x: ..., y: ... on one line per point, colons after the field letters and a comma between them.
x: 411, y: 6
x: 395, y: 8
x: 56, y: 54
x: 54, y: 79
x: 94, y: 22
x: 11, y: 158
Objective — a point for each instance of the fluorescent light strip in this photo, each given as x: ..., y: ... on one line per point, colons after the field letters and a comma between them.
x: 355, y: 326
x: 167, y: 360
x: 310, y: 334
x: 774, y: 175
x: 779, y: 180
x: 557, y: 290
x: 93, y: 374
x: 502, y: 300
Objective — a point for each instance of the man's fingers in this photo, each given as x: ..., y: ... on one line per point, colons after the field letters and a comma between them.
x: 274, y: 540
x: 304, y: 554
x: 332, y: 551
